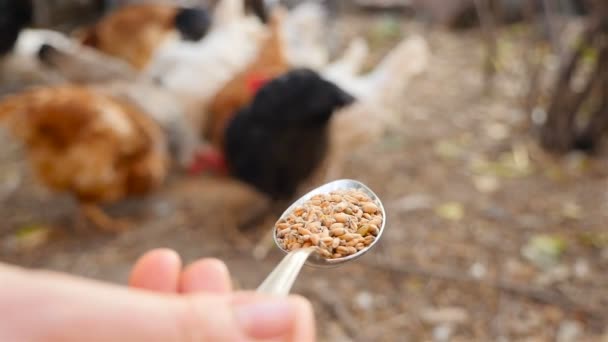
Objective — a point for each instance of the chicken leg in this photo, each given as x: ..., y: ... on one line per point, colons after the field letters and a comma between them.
x: 101, y: 220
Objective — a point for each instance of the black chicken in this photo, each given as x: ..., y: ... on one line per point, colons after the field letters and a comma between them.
x: 278, y: 141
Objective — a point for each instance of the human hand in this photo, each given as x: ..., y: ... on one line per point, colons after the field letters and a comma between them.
x: 46, y: 306
x: 161, y: 270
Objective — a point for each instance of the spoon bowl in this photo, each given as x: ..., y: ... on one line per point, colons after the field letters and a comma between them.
x: 282, y: 277
x: 315, y: 259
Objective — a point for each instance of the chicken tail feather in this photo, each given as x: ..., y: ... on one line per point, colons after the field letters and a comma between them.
x: 408, y: 59
x: 228, y: 11
x: 352, y: 60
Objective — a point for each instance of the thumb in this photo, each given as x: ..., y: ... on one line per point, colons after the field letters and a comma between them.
x: 247, y: 317
x: 46, y: 306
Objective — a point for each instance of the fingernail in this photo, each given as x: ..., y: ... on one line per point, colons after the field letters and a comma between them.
x: 264, y: 319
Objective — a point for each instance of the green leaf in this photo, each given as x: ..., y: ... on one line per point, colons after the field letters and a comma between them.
x: 594, y: 239
x: 452, y: 211
x: 544, y: 251
x: 33, y: 235
x: 448, y: 149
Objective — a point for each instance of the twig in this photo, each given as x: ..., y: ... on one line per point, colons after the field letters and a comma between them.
x: 536, y: 294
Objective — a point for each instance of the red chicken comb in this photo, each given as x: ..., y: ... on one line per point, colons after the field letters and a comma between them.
x: 208, y: 159
x: 255, y: 81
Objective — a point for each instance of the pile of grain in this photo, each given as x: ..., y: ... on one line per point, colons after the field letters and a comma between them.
x: 340, y: 223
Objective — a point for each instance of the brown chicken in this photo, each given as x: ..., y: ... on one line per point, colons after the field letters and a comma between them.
x: 134, y: 32
x: 238, y: 92
x: 91, y: 145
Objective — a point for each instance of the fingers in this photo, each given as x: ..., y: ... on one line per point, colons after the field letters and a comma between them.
x: 263, y: 318
x: 206, y: 275
x: 248, y: 317
x: 73, y: 309
x: 160, y: 270
x: 157, y: 270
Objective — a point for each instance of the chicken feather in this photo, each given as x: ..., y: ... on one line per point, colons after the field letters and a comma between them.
x: 78, y: 141
x: 389, y: 78
x: 196, y: 71
x: 270, y: 63
x: 134, y: 32
x: 305, y: 31
x: 367, y: 120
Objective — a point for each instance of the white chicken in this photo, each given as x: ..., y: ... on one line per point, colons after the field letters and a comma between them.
x: 305, y: 33
x: 151, y: 99
x: 350, y: 64
x: 23, y: 65
x: 368, y: 119
x: 195, y: 72
x: 388, y: 79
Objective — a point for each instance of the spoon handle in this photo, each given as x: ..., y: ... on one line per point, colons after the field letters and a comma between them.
x: 280, y: 280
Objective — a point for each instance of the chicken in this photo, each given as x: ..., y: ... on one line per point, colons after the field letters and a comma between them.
x: 258, y: 7
x: 151, y: 99
x: 14, y: 16
x: 196, y: 71
x: 277, y: 142
x: 350, y: 64
x: 236, y: 94
x: 389, y: 78
x: 305, y: 31
x: 134, y: 32
x: 26, y: 64
x: 368, y: 119
x: 93, y: 146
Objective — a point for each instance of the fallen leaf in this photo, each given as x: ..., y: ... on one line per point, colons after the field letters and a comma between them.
x: 497, y: 131
x: 513, y: 164
x: 452, y: 211
x: 364, y: 300
x: 521, y: 157
x: 594, y: 239
x: 414, y: 285
x: 486, y: 184
x: 590, y: 54
x: 552, y: 275
x: 392, y: 142
x: 478, y: 270
x: 571, y: 210
x: 544, y: 251
x: 448, y: 150
x: 554, y: 173
x: 443, y: 332
x: 577, y: 162
x: 581, y: 268
x: 454, y: 315
x: 569, y: 331
x: 32, y: 236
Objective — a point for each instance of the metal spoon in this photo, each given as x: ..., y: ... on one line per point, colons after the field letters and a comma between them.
x: 280, y: 280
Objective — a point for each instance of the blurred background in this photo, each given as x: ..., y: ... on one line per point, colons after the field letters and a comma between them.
x: 491, y: 160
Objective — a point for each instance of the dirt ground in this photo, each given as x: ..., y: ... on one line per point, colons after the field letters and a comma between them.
x: 488, y: 238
